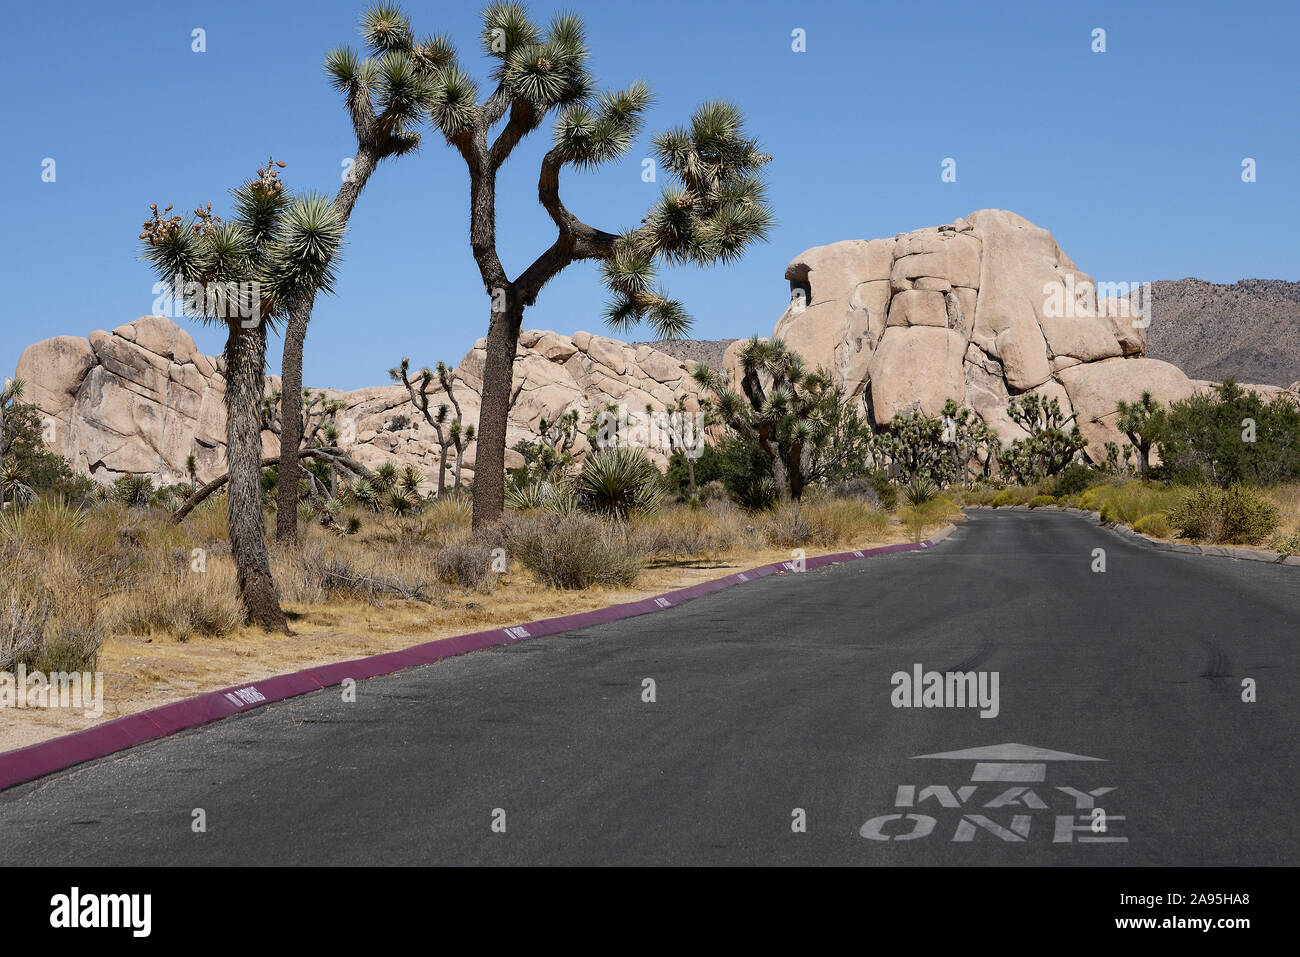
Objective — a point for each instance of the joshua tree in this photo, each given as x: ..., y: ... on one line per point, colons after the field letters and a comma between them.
x: 549, y: 456
x: 317, y: 428
x: 714, y: 210
x: 452, y: 434
x: 1049, y: 448
x: 785, y: 409
x: 1141, y: 422
x: 386, y: 99
x: 684, y: 438
x: 245, y: 273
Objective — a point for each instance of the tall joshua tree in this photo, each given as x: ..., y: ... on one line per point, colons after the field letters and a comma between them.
x: 245, y: 273
x: 386, y: 98
x: 451, y: 432
x: 714, y: 208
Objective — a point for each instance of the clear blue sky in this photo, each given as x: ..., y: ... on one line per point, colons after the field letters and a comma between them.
x: 1131, y: 157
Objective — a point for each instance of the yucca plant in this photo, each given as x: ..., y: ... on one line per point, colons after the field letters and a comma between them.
x: 399, y: 502
x: 410, y: 481
x: 14, y: 483
x: 385, y: 478
x: 134, y: 491
x: 13, y: 479
x: 713, y: 210
x: 246, y: 273
x: 920, y: 491
x: 387, y: 98
x: 619, y: 480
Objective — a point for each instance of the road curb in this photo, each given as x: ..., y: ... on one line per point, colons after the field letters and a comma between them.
x: 58, y: 754
x: 1212, y: 551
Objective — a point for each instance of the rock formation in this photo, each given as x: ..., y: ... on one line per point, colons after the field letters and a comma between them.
x: 978, y: 310
x: 142, y: 398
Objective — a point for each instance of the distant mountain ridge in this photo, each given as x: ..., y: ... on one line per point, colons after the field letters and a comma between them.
x: 1249, y: 330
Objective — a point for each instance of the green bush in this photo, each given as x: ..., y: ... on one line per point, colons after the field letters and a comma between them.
x: 885, y: 489
x: 1237, y: 515
x: 1072, y: 481
x: 1038, y: 501
x: 1007, y: 497
x: 1202, y: 440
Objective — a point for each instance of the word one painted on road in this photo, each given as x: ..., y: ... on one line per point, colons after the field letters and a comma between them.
x: 1008, y: 796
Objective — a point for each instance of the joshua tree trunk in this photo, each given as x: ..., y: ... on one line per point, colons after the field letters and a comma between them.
x: 245, y: 386
x: 780, y: 477
x: 295, y: 333
x: 494, y: 414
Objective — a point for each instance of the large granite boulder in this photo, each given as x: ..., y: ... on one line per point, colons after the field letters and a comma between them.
x: 979, y: 310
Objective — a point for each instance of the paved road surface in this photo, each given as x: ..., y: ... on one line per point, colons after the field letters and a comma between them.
x: 771, y: 696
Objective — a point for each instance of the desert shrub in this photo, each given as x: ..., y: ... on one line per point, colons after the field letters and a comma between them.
x: 466, y: 565
x: 1201, y: 438
x: 132, y: 490
x: 557, y: 496
x: 862, y: 489
x: 1038, y: 501
x: 1248, y: 516
x: 1128, y: 502
x: 709, y: 468
x: 1008, y: 497
x: 1286, y: 544
x: 980, y: 495
x: 886, y: 491
x: 843, y: 521
x: 787, y: 528
x: 1237, y: 515
x: 1157, y: 524
x: 572, y: 551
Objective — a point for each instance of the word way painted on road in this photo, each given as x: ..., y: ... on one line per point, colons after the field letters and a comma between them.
x: 1010, y: 786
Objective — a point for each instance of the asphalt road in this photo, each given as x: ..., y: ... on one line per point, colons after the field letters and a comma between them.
x: 770, y: 697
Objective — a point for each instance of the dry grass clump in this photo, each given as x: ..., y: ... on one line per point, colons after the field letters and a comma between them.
x: 54, y: 562
x: 572, y: 551
x: 180, y: 592
x: 679, y: 532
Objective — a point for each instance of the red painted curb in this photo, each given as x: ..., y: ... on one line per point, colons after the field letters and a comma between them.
x: 46, y: 757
